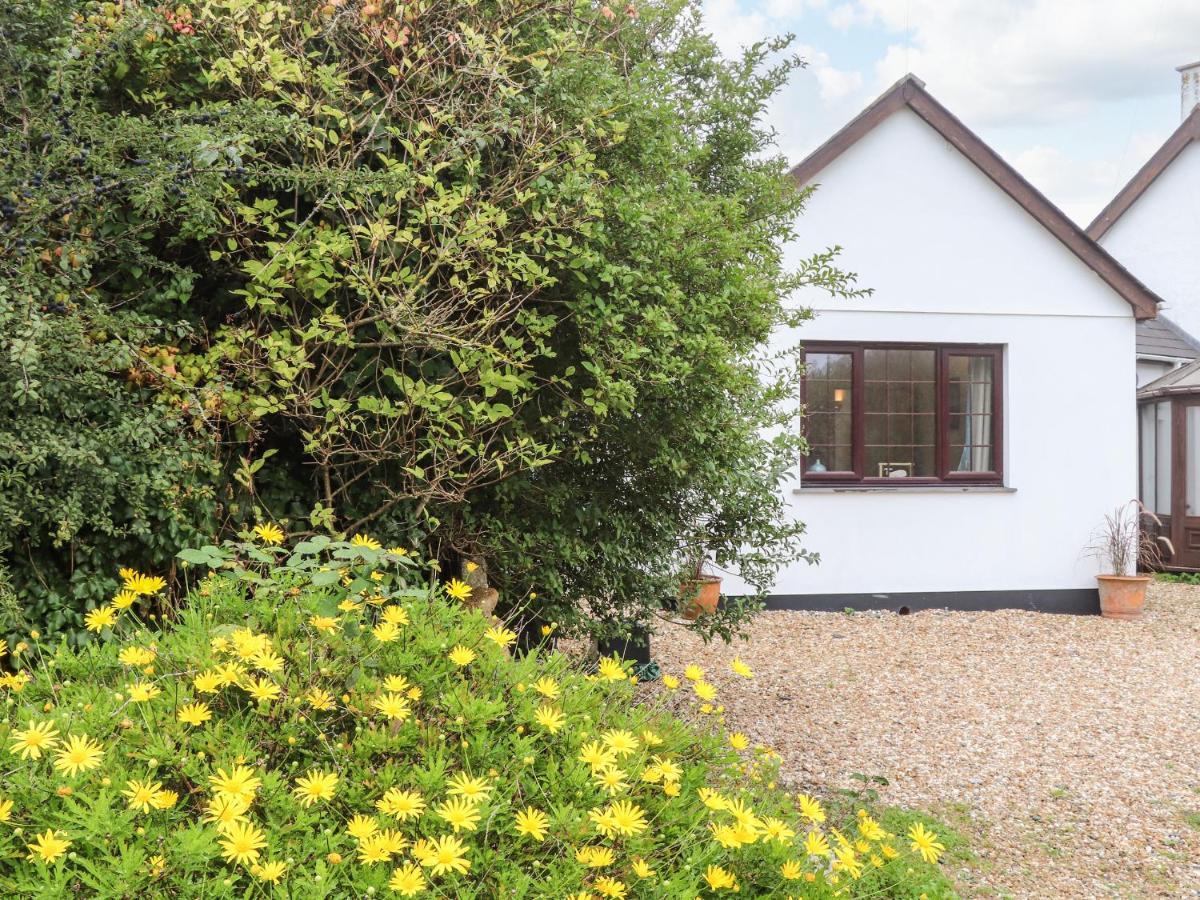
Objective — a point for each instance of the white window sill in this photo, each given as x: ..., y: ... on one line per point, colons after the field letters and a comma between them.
x: 905, y: 489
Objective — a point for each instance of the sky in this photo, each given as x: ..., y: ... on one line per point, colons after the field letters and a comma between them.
x: 1076, y: 94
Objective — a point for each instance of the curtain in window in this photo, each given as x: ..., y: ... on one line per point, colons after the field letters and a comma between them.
x: 976, y: 453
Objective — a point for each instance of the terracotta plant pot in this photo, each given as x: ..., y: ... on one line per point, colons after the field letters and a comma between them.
x: 1122, y: 596
x: 699, y: 596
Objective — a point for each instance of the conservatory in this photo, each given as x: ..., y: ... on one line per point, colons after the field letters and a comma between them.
x: 1169, y: 460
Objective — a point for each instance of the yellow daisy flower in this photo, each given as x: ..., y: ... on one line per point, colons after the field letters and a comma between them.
x: 241, y: 842
x: 462, y: 656
x: 194, y: 714
x: 207, y: 682
x: 143, y: 691
x: 122, y: 600
x: 326, y: 624
x: 810, y: 808
x: 269, y: 533
x: 704, y: 690
x: 143, y: 585
x: 361, y: 827
x: 446, y: 854
x: 394, y: 615
x: 319, y: 699
x: 224, y: 810
x: 140, y: 794
x: 500, y: 636
x: 407, y: 881
x: 393, y: 706
x: 621, y: 742
x: 262, y: 688
x: 136, y: 656
x: 315, y: 786
x: 532, y: 823
x: 100, y: 618
x: 473, y: 789
x: 459, y: 813
x: 271, y: 871
x: 926, y: 843
x: 719, y: 879
x: 386, y: 632
x: 79, y: 754
x: 459, y: 590
x: 550, y: 718
x: 610, y: 669
x: 48, y: 846
x: 30, y: 743
x: 401, y: 804
x: 240, y: 783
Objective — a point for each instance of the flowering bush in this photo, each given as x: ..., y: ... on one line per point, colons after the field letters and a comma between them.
x: 322, y: 721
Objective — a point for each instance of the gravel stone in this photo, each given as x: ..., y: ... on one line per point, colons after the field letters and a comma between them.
x: 1064, y: 747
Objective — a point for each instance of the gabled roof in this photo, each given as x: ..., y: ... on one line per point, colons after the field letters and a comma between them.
x: 1184, y: 380
x: 1162, y: 337
x: 1188, y: 131
x: 909, y: 92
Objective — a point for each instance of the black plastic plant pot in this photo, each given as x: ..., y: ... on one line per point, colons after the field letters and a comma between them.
x: 530, y: 637
x: 635, y: 648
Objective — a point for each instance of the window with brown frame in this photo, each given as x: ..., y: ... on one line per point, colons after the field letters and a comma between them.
x: 903, y: 413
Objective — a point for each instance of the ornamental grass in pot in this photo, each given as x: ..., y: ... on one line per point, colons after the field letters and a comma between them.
x: 1124, y: 543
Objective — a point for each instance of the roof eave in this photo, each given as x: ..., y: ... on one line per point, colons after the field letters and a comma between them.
x: 910, y: 92
x: 1188, y: 131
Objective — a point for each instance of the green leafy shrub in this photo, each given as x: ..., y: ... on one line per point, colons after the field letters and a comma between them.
x: 493, y: 276
x: 91, y: 469
x: 321, y: 722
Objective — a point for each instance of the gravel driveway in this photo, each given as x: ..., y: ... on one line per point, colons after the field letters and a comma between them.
x: 1066, y: 748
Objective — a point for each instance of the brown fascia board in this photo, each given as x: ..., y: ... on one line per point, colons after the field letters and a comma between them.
x: 910, y: 92
x: 1188, y: 131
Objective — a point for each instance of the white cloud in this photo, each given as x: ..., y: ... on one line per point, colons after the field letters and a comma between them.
x: 1081, y: 189
x: 845, y: 16
x: 1074, y: 92
x: 734, y: 26
x: 783, y: 9
x: 836, y: 84
x: 738, y: 23
x: 1035, y: 60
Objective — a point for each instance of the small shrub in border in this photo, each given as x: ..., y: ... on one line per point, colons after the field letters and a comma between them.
x: 325, y: 721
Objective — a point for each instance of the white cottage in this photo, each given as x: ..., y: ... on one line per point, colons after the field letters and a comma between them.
x: 1152, y: 226
x: 971, y: 421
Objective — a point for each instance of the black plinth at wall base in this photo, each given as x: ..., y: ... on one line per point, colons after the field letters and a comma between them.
x: 636, y: 649
x: 1080, y: 602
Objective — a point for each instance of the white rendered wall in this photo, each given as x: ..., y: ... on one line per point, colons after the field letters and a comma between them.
x: 953, y: 259
x: 1150, y: 369
x: 1158, y: 239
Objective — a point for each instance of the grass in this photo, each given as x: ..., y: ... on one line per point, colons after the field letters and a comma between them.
x: 936, y: 883
x: 1178, y: 577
